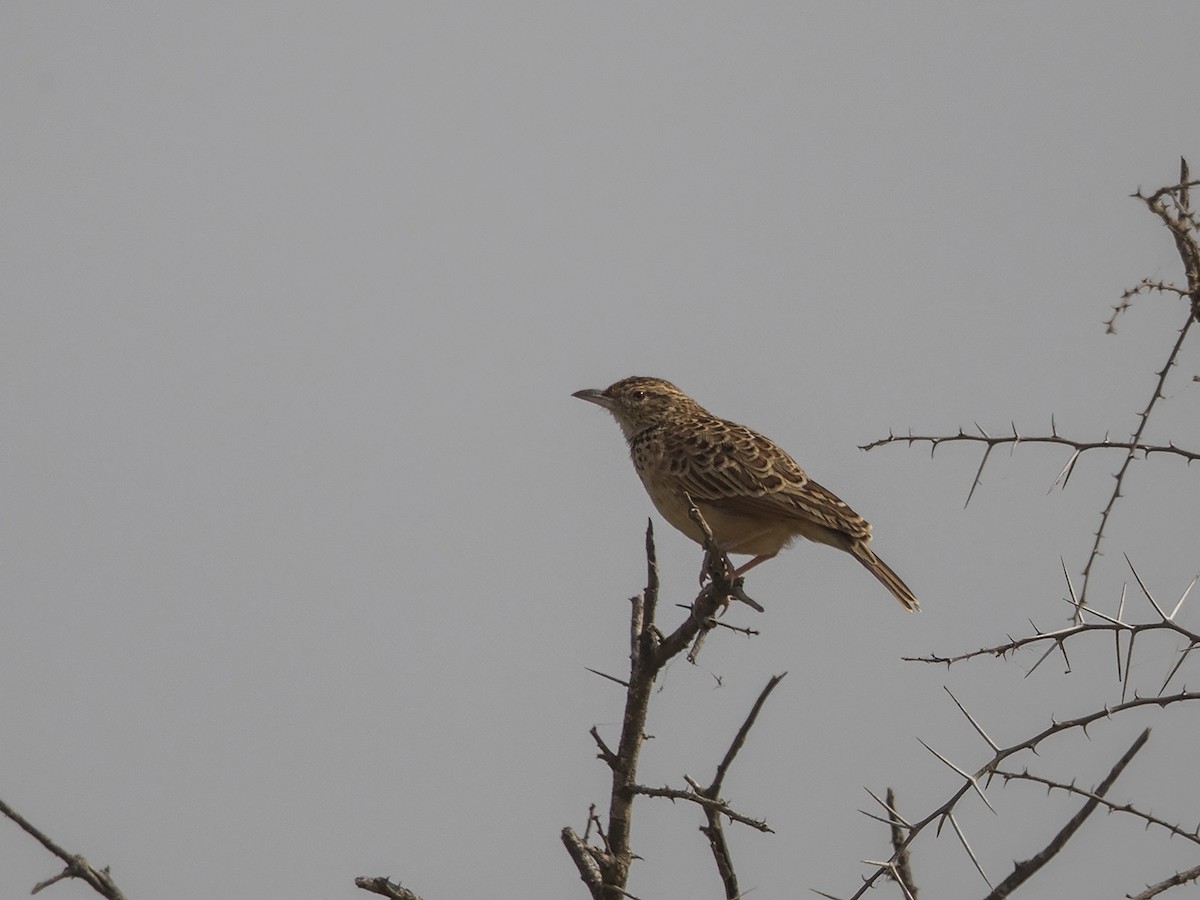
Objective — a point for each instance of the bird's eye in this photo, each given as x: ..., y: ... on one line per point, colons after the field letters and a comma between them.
x: 638, y: 395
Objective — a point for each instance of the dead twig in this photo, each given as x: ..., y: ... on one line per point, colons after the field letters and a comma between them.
x: 1128, y: 808
x: 385, y: 887
x: 1115, y: 625
x: 100, y: 880
x: 972, y: 781
x: 713, y: 830
x: 902, y: 861
x: 605, y: 869
x: 1175, y: 880
x: 1026, y: 869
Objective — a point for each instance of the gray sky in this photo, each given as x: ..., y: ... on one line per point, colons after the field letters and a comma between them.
x: 305, y: 544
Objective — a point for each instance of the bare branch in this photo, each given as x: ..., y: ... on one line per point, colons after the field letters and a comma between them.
x: 1132, y: 448
x: 1131, y: 454
x: 991, y: 441
x: 945, y: 812
x: 1128, y: 808
x: 1058, y: 638
x: 1166, y: 884
x: 902, y: 864
x: 605, y: 753
x: 1026, y: 869
x: 584, y: 858
x: 385, y: 887
x: 693, y: 795
x: 1183, y: 229
x: 100, y: 880
x: 739, y: 739
x: 1172, y: 205
x: 713, y: 830
x: 606, y: 869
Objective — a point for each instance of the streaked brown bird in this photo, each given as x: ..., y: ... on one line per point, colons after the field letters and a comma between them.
x: 755, y: 498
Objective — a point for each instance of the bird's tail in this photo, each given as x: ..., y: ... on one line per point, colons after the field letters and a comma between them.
x: 884, y: 573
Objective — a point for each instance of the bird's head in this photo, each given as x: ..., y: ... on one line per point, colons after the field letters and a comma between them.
x: 638, y: 402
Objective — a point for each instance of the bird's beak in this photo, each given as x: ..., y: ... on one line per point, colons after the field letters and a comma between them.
x: 592, y: 395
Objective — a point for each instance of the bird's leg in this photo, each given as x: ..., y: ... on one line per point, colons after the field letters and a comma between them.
x: 742, y: 570
x: 728, y: 574
x: 737, y: 580
x: 737, y: 592
x: 708, y: 564
x: 705, y: 565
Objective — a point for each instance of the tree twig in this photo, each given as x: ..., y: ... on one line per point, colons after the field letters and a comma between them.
x: 971, y: 781
x: 1175, y: 880
x: 1026, y: 869
x: 900, y: 855
x: 100, y: 880
x: 713, y: 830
x: 1148, y: 818
x: 385, y: 887
x: 605, y: 870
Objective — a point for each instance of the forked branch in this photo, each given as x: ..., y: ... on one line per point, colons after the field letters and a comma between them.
x: 604, y: 868
x: 1026, y: 869
x: 1097, y: 622
x: 1172, y: 205
x: 975, y: 782
x: 100, y: 880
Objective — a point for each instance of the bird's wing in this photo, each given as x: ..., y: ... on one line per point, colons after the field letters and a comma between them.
x: 743, y: 473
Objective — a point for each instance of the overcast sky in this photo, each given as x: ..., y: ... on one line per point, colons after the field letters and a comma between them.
x: 305, y: 545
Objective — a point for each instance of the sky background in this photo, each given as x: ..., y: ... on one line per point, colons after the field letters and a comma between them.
x: 305, y: 545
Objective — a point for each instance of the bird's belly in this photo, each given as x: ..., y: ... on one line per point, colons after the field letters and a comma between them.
x: 746, y: 534
x: 733, y: 533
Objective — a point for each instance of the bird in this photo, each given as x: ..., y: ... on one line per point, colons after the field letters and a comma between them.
x: 755, y: 498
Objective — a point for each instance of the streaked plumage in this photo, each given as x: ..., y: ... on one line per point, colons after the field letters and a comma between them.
x: 755, y: 498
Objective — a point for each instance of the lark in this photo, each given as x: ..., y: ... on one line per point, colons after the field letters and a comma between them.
x: 753, y: 496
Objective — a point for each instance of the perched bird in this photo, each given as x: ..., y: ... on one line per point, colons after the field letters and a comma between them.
x: 753, y: 496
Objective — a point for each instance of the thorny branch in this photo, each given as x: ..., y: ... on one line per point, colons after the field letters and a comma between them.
x: 1026, y: 869
x: 385, y: 887
x: 1174, y: 881
x: 77, y: 867
x: 1172, y: 204
x: 604, y: 868
x: 902, y: 862
x: 1057, y: 640
x: 991, y: 441
x: 603, y: 864
x: 1128, y: 808
x: 714, y: 830
x: 1114, y: 625
x: 1134, y: 446
x: 975, y: 782
x: 692, y: 795
x: 1095, y: 622
x: 1131, y: 455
